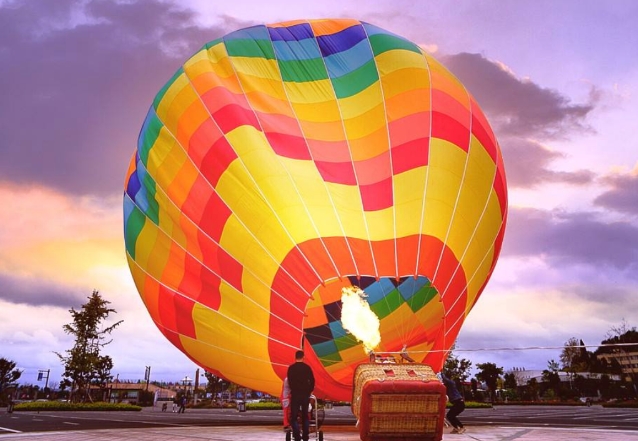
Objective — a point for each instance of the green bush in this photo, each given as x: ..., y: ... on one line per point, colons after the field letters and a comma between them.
x: 58, y: 405
x: 146, y: 398
x: 628, y: 403
x: 263, y: 405
x: 474, y: 405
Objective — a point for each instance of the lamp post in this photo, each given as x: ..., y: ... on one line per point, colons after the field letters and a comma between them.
x: 186, y: 383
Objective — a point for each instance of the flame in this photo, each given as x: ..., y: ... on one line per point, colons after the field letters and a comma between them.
x: 358, y: 318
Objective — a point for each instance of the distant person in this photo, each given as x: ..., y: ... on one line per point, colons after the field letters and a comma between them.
x: 182, y: 405
x: 301, y: 382
x: 175, y: 404
x: 458, y: 404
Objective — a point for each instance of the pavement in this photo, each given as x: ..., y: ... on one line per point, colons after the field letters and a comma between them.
x: 330, y: 433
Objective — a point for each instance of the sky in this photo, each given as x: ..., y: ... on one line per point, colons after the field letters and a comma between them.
x: 558, y: 81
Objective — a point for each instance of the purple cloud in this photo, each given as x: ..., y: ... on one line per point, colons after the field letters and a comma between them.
x: 77, y: 82
x: 33, y: 292
x: 572, y: 238
x: 522, y: 112
x: 622, y: 195
x: 520, y: 107
x: 527, y: 163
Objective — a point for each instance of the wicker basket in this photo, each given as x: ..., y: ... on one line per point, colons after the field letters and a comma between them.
x: 398, y: 402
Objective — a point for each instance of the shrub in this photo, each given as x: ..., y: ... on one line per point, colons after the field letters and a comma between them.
x: 473, y: 405
x: 263, y: 405
x: 627, y: 403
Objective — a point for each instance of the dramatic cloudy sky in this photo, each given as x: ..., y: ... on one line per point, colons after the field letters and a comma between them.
x: 557, y: 79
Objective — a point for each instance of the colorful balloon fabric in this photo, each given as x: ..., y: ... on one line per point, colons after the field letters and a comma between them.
x: 282, y: 163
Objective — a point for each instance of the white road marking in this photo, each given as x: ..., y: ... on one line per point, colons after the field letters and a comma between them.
x: 9, y: 430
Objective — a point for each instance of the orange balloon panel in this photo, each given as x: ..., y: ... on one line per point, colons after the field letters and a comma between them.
x: 283, y: 163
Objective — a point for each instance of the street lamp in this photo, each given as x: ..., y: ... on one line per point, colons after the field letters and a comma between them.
x: 186, y: 383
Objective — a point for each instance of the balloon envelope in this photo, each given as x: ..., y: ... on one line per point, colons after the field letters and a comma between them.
x: 282, y: 163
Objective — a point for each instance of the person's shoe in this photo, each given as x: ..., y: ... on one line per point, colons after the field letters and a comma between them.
x: 455, y: 430
x: 462, y: 430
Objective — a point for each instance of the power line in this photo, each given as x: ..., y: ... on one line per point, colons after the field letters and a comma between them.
x: 528, y: 348
x: 531, y: 348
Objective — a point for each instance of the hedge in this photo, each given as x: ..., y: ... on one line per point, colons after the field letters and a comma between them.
x: 628, y: 403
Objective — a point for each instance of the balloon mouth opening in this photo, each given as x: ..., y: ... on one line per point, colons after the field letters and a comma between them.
x: 358, y: 319
x: 390, y: 310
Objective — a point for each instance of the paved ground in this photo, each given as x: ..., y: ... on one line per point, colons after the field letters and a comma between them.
x: 331, y: 433
x: 505, y: 423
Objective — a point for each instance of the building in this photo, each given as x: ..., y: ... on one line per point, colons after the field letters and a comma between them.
x: 628, y: 361
x: 523, y: 376
x: 123, y: 392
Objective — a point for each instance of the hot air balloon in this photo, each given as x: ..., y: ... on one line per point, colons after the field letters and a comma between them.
x: 283, y: 163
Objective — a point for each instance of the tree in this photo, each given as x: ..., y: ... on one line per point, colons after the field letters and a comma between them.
x: 489, y: 374
x: 475, y: 391
x: 532, y: 388
x: 623, y: 328
x: 8, y: 375
x: 551, y: 377
x: 605, y: 386
x: 510, y: 381
x: 457, y: 369
x: 215, y: 384
x: 510, y: 384
x: 84, y: 366
x: 574, y: 356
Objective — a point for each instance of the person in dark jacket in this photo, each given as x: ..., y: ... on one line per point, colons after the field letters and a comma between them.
x: 301, y: 381
x: 458, y: 404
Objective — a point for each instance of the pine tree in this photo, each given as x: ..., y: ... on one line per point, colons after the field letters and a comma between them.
x: 84, y: 365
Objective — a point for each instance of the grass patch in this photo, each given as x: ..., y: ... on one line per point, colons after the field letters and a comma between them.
x: 540, y: 403
x: 57, y: 405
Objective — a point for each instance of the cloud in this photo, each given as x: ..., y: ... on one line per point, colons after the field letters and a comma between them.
x: 528, y: 164
x: 572, y: 238
x: 78, y: 79
x: 522, y: 113
x: 56, y: 247
x: 27, y: 291
x: 534, y: 302
x: 29, y: 334
x: 521, y: 322
x: 518, y: 107
x: 81, y: 76
x: 623, y: 193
